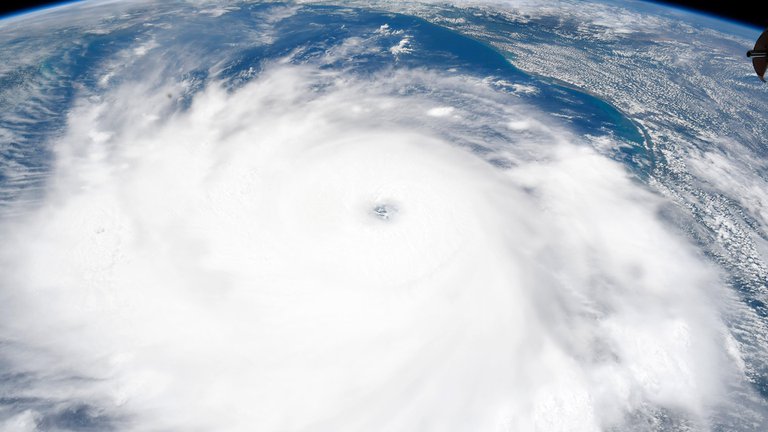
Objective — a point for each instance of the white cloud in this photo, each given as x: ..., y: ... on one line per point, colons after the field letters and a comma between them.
x: 23, y: 422
x: 225, y: 269
x: 402, y: 47
x: 442, y: 111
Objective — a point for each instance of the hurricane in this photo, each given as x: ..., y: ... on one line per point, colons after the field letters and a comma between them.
x: 382, y: 216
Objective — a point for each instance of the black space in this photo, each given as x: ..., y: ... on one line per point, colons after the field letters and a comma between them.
x: 9, y: 7
x: 739, y: 10
x: 749, y: 12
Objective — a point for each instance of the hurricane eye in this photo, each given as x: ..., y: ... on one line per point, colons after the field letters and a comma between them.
x: 385, y: 212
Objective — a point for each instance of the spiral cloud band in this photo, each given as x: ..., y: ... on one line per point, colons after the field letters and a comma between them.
x: 312, y: 250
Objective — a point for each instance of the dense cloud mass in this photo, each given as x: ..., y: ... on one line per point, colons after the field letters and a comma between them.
x: 314, y: 249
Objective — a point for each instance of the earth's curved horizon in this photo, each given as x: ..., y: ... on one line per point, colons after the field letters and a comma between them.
x: 378, y: 215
